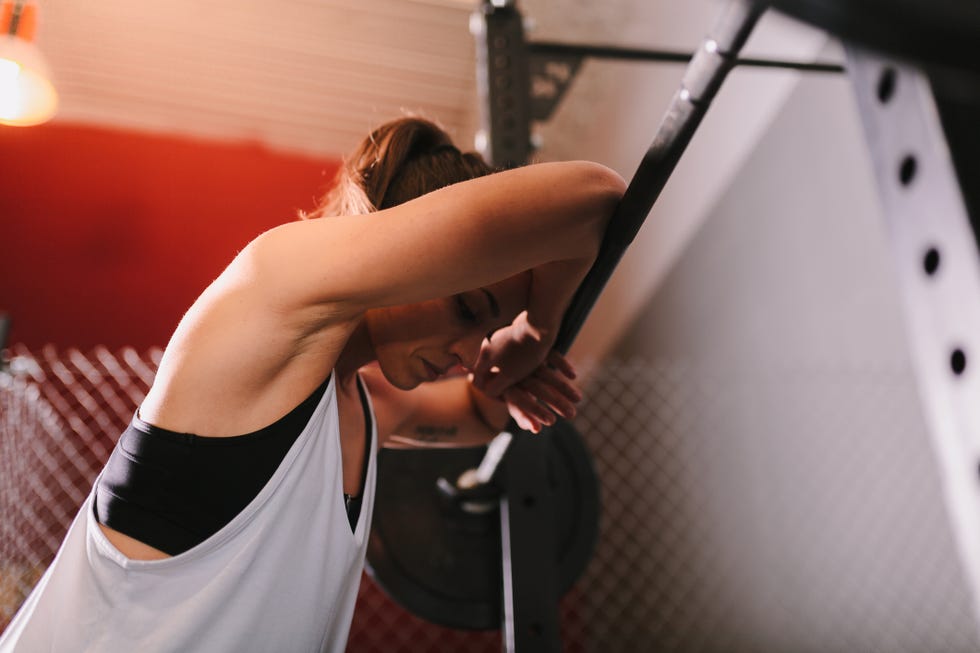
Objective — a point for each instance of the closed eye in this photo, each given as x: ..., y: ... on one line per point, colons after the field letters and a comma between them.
x: 466, y: 314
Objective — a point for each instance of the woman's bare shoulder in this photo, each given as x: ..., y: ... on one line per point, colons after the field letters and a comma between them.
x: 237, y: 361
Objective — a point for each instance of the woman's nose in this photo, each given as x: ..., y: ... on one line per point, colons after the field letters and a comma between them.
x: 467, y: 349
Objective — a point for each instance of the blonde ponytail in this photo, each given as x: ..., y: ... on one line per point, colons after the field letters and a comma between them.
x: 399, y: 161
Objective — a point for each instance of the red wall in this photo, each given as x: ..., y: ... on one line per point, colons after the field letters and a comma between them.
x: 106, y: 237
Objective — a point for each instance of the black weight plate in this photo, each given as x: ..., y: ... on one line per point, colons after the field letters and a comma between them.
x: 444, y: 565
x: 942, y: 32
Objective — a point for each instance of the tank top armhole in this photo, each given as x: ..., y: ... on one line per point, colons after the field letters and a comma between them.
x: 353, y: 503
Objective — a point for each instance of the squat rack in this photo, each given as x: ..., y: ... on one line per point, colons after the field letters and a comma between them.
x: 920, y: 128
x: 924, y: 143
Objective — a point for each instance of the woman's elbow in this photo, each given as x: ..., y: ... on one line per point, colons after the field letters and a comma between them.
x: 599, y: 190
x: 610, y: 180
x: 603, y: 186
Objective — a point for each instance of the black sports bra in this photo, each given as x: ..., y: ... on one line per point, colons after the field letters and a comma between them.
x: 174, y: 490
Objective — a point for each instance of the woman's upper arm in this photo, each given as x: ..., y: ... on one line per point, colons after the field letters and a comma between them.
x: 458, y: 238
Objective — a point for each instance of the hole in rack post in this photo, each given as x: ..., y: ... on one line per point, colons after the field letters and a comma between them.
x: 886, y: 84
x: 907, y: 170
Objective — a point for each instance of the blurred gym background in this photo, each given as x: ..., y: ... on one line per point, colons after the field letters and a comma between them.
x: 767, y: 480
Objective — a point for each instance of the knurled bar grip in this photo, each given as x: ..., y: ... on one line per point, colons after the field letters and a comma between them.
x: 704, y: 76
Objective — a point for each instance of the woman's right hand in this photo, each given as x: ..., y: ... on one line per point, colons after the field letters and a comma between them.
x: 518, y: 366
x: 548, y: 391
x: 510, y: 355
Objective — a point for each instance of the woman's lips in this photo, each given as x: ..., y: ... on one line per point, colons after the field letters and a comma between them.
x: 431, y: 370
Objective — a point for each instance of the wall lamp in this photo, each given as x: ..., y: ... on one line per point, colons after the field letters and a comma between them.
x: 27, y: 96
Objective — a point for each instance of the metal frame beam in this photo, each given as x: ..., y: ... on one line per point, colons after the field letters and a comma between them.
x: 938, y: 270
x: 521, y: 81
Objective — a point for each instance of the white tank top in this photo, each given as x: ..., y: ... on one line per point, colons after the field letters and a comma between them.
x: 282, y: 576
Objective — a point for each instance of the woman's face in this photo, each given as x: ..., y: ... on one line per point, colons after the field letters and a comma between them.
x: 420, y: 342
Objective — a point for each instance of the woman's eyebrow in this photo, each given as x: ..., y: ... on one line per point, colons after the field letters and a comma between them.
x: 494, y: 306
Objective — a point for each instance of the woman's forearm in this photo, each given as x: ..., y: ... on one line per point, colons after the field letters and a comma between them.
x: 489, y: 410
x: 551, y: 290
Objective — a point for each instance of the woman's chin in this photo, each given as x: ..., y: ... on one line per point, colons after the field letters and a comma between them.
x: 403, y: 379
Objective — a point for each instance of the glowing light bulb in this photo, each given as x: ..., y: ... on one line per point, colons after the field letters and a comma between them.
x: 8, y: 69
x: 27, y: 96
x: 10, y: 94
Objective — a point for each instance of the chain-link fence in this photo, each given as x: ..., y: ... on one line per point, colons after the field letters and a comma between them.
x: 759, y: 509
x: 756, y: 510
x: 60, y: 414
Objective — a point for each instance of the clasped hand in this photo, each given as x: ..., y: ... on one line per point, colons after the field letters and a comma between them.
x: 519, y: 367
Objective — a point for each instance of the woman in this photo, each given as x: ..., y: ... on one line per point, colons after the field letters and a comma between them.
x: 233, y: 514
